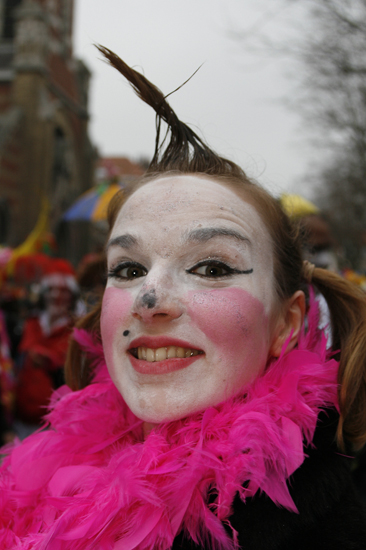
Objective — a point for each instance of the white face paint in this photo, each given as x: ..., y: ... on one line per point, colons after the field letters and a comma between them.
x: 188, y: 313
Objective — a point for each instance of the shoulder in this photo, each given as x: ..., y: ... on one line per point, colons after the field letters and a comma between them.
x: 330, y: 512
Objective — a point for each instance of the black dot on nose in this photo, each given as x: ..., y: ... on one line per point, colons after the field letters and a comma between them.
x: 149, y: 299
x: 126, y: 333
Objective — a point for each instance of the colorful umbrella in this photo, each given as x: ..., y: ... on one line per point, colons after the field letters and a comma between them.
x: 93, y: 204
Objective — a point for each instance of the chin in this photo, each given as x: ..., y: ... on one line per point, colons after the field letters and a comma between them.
x: 159, y: 415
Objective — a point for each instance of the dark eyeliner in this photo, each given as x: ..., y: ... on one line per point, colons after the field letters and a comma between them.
x: 114, y: 271
x: 217, y: 263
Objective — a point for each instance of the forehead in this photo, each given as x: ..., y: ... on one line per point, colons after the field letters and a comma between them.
x: 188, y: 201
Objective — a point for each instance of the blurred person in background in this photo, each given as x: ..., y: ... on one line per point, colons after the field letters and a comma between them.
x: 319, y: 244
x: 6, y: 385
x: 43, y: 346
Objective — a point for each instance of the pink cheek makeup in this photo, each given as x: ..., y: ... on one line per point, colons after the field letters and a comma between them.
x: 116, y: 310
x: 227, y: 317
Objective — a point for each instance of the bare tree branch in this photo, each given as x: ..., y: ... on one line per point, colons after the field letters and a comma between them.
x: 330, y: 93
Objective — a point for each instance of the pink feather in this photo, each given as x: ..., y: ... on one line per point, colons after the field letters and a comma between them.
x: 91, y: 482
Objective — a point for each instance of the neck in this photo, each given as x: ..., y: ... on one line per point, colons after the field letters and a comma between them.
x: 146, y: 428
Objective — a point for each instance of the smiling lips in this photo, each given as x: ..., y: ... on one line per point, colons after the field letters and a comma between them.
x: 154, y: 356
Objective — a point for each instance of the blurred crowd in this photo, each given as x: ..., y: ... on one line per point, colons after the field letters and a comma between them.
x: 40, y: 299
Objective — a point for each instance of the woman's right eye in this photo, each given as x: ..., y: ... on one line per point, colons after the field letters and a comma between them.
x: 127, y: 271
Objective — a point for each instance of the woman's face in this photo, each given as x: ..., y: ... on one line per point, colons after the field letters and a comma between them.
x: 188, y: 316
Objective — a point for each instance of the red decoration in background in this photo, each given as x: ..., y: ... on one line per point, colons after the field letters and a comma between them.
x: 31, y: 267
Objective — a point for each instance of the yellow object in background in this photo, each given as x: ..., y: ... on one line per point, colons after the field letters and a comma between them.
x: 33, y: 241
x: 296, y: 206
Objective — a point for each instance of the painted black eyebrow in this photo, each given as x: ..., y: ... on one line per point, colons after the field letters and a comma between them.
x: 124, y: 241
x: 206, y: 233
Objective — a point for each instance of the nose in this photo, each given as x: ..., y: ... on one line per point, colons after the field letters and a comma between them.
x: 157, y: 302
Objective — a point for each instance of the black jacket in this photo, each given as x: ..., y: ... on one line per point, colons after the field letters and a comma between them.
x: 331, y: 514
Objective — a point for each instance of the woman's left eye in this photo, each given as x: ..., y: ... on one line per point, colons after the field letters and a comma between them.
x: 214, y: 269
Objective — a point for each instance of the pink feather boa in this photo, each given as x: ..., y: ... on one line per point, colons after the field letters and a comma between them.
x: 91, y: 482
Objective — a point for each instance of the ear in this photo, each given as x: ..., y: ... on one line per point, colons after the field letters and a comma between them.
x: 289, y: 323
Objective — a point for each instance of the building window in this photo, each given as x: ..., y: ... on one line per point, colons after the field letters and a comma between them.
x: 9, y: 19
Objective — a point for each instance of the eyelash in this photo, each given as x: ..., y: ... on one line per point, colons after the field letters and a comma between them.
x: 115, y: 271
x: 218, y: 264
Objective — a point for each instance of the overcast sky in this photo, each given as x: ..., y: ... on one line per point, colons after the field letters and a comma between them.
x: 234, y: 100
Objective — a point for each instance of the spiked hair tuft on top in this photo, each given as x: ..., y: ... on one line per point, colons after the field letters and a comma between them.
x: 186, y: 151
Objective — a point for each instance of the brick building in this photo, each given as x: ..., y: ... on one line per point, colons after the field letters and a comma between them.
x: 45, y: 150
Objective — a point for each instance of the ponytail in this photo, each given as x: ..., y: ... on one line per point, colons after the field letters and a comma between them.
x: 347, y: 306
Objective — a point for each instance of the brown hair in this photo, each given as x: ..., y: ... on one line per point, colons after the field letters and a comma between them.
x: 187, y: 153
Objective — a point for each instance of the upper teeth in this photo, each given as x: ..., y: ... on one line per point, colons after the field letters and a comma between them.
x: 160, y: 354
